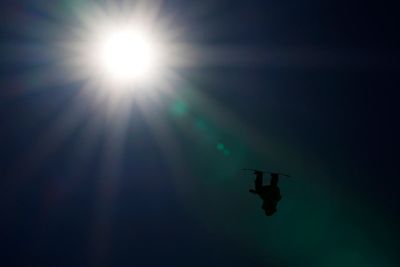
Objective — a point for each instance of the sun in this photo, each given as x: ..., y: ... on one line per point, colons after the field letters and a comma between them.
x: 131, y: 53
x: 126, y: 55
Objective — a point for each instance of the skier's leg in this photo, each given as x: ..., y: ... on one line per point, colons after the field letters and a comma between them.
x: 259, y: 181
x: 274, y: 179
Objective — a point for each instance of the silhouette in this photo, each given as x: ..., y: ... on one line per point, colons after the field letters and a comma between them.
x: 270, y: 194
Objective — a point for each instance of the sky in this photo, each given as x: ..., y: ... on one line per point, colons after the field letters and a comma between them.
x: 307, y: 88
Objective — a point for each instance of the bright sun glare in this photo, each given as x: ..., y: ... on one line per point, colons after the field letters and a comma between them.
x: 126, y: 55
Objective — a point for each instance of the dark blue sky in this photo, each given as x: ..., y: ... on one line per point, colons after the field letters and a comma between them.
x: 305, y: 87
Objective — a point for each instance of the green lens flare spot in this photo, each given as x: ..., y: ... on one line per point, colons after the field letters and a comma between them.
x: 227, y: 152
x: 179, y: 108
x: 220, y: 146
x: 200, y: 125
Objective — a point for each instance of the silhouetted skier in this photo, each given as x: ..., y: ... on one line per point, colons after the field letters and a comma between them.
x: 270, y: 194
